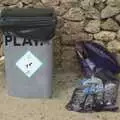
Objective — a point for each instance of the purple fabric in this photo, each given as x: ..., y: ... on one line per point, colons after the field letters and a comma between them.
x: 98, y: 55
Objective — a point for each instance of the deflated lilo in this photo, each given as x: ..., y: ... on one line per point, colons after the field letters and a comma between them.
x: 98, y: 90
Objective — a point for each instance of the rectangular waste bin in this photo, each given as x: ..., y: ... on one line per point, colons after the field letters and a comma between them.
x: 28, y: 44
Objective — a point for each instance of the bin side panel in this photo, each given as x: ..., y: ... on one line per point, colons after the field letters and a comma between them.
x: 39, y: 84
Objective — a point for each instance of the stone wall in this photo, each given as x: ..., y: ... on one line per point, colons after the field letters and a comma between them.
x: 96, y: 20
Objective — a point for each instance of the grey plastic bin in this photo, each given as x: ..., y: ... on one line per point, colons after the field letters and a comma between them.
x: 27, y: 38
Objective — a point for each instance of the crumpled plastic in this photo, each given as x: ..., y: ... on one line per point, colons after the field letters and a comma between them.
x: 98, y: 90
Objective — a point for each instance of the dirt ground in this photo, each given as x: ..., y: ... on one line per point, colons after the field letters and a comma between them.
x: 12, y: 108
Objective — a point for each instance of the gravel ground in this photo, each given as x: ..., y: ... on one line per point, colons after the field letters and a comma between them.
x: 12, y: 108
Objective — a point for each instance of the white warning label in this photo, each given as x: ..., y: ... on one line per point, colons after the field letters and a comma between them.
x: 29, y: 64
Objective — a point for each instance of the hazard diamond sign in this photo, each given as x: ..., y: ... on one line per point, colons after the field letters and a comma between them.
x: 29, y: 64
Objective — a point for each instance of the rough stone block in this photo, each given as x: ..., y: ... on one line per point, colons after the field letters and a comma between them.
x: 73, y: 27
x: 72, y: 39
x: 93, y: 26
x: 105, y: 36
x: 110, y: 25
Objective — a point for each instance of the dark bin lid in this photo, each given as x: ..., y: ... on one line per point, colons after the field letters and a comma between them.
x: 27, y: 12
x: 40, y: 22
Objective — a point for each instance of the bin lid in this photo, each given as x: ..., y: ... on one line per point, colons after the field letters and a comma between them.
x: 40, y: 23
x: 27, y: 17
x: 27, y: 12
